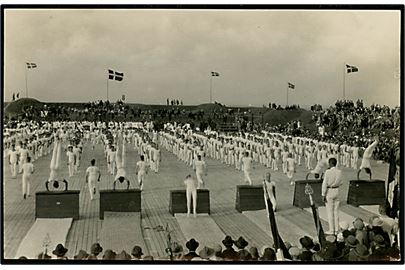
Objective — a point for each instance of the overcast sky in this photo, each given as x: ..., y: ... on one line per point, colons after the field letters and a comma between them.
x: 171, y: 53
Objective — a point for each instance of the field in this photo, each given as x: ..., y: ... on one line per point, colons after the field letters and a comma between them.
x: 293, y: 222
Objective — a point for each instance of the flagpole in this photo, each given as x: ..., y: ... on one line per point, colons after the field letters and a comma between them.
x: 344, y: 81
x: 287, y: 95
x: 26, y: 82
x: 107, y: 88
x: 211, y: 88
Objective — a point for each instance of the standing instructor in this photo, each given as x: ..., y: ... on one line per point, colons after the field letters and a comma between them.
x: 330, y: 194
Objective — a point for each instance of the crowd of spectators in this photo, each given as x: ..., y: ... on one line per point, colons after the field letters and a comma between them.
x: 354, y: 123
x: 372, y: 242
x: 345, y: 122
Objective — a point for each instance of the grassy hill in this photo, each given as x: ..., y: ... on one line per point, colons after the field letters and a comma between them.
x: 273, y: 117
x: 16, y: 107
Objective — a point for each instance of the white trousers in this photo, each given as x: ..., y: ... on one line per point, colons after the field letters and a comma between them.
x: 141, y: 179
x: 71, y: 169
x: 191, y: 194
x: 92, y: 187
x: 13, y: 168
x: 332, y: 208
x: 200, y: 179
x: 26, y: 184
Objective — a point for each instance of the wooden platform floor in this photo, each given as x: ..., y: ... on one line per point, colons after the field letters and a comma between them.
x: 155, y: 217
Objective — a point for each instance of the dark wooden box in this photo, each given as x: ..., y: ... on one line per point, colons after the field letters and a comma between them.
x: 301, y: 199
x: 363, y: 192
x: 178, y: 201
x: 249, y: 198
x: 57, y: 204
x: 128, y: 200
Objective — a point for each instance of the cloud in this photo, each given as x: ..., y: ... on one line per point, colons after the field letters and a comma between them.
x: 170, y: 53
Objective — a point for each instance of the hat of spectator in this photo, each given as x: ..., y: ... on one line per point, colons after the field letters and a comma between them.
x: 331, y: 253
x: 192, y: 244
x: 351, y: 241
x: 268, y: 255
x: 361, y: 251
x: 254, y: 252
x: 137, y: 252
x: 123, y: 256
x: 358, y: 224
x: 294, y: 251
x: 306, y: 242
x: 379, y: 240
x: 241, y: 243
x: 377, y: 222
x: 148, y: 258
x: 42, y: 256
x: 96, y: 249
x: 263, y: 249
x: 206, y: 252
x: 344, y: 225
x: 346, y: 234
x: 330, y: 238
x: 22, y: 258
x: 60, y: 250
x: 228, y: 242
x: 109, y: 255
x: 287, y: 244
x: 316, y: 248
x: 81, y: 255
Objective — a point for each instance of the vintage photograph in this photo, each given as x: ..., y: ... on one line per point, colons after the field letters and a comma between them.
x: 202, y: 134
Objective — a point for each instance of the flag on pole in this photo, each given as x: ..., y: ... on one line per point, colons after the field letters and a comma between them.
x: 31, y: 65
x: 350, y: 69
x: 119, y: 76
x: 111, y: 74
x: 291, y: 86
x: 214, y: 74
x: 392, y: 202
x: 318, y: 225
x: 278, y: 242
x: 115, y: 75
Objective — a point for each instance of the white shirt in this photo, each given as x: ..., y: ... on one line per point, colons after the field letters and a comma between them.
x: 13, y: 155
x: 23, y: 153
x: 111, y: 156
x: 290, y: 164
x: 199, y: 166
x: 368, y: 153
x: 141, y: 166
x: 71, y: 156
x: 27, y: 169
x: 247, y: 163
x: 93, y: 172
x: 191, y: 183
x: 332, y: 179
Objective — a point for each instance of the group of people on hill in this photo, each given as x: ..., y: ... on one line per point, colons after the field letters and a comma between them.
x: 174, y: 102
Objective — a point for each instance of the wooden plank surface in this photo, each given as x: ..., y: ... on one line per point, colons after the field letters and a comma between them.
x: 45, y: 230
x: 155, y: 216
x: 122, y: 231
x: 202, y: 228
